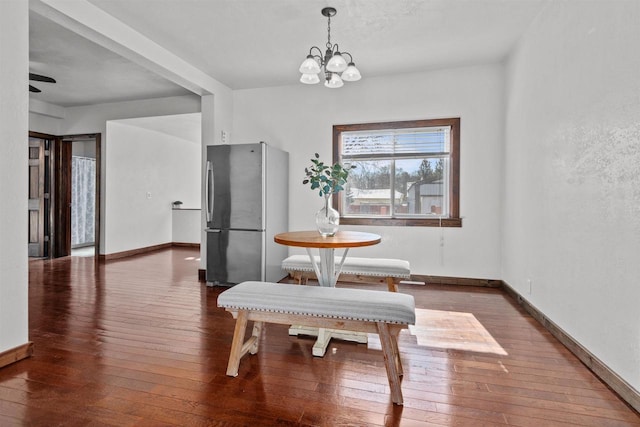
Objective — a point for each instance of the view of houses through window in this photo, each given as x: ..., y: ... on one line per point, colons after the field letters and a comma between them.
x: 404, y: 170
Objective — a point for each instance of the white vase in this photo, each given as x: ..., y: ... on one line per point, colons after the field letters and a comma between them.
x: 327, y: 219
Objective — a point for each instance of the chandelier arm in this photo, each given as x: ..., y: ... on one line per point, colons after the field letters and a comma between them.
x: 347, y: 53
x: 319, y: 52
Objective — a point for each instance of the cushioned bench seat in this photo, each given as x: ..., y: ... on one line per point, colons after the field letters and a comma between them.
x: 354, y: 269
x: 357, y: 310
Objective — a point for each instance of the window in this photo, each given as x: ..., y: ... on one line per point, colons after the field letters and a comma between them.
x: 407, y: 173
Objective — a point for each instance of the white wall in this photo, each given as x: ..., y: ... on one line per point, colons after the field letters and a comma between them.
x: 153, y: 170
x: 83, y: 149
x: 299, y: 119
x: 44, y: 124
x: 572, y: 194
x: 93, y: 119
x: 14, y: 65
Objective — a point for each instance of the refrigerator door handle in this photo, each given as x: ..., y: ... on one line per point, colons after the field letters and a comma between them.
x: 208, y: 199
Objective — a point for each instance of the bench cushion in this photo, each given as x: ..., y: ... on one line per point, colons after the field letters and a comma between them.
x: 339, y: 303
x: 352, y: 265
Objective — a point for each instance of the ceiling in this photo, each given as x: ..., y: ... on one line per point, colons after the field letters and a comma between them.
x: 253, y: 43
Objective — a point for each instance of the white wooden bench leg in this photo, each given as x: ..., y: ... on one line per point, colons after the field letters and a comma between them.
x: 239, y: 347
x: 257, y: 330
x: 389, y: 350
x: 297, y: 276
x: 236, y: 344
x: 392, y: 286
x: 395, y: 333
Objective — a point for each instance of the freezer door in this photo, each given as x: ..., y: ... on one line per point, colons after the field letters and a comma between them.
x: 234, y: 187
x: 234, y: 256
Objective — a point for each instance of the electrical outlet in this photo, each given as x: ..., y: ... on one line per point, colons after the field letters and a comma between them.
x: 148, y: 194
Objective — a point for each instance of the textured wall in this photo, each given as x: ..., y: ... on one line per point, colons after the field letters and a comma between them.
x: 572, y: 181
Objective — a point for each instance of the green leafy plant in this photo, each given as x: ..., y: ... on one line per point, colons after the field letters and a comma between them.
x: 327, y: 179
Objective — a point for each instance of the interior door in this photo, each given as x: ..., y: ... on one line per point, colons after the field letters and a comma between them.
x: 62, y: 218
x: 37, y: 208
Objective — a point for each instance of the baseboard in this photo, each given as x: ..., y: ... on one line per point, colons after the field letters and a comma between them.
x: 186, y: 245
x: 138, y: 251
x: 15, y: 354
x: 463, y: 281
x: 602, y: 371
x: 416, y: 279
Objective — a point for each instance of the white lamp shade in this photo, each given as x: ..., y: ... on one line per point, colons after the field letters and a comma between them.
x: 351, y: 74
x: 337, y: 64
x: 335, y: 81
x: 309, y: 66
x: 310, y: 79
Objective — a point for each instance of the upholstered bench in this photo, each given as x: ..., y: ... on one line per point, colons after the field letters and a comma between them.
x: 353, y: 269
x: 357, y: 310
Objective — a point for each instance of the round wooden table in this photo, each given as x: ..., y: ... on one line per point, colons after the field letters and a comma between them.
x: 327, y: 273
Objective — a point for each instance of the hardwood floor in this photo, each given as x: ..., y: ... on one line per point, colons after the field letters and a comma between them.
x: 139, y: 341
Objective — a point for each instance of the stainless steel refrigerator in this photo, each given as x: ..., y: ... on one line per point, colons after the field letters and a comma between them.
x: 246, y: 198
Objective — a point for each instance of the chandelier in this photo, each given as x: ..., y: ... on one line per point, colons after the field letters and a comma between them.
x: 335, y: 68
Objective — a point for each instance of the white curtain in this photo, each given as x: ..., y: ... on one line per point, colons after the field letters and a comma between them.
x: 83, y: 191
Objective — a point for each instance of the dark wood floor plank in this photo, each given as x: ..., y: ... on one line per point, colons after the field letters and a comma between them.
x: 139, y: 341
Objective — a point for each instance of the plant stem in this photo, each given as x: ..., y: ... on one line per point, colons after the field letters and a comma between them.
x: 326, y: 204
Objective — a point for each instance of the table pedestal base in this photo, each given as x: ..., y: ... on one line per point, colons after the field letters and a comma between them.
x: 325, y: 335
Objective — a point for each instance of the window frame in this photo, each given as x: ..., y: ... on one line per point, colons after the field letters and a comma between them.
x: 453, y: 220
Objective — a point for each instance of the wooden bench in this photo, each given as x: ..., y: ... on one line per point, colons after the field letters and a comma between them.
x: 358, y: 310
x: 354, y: 269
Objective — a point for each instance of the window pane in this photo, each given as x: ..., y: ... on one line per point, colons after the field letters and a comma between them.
x: 368, y: 189
x: 424, y: 189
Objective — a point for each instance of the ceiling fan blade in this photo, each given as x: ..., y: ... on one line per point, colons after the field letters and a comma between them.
x: 40, y: 78
x: 34, y: 89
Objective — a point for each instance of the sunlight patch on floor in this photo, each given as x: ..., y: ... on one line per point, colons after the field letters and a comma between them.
x: 449, y: 330
x: 453, y: 330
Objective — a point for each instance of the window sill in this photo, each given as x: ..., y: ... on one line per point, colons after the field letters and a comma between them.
x: 403, y: 222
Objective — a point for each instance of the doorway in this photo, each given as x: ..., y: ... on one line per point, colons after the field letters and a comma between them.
x: 64, y: 195
x: 83, y: 194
